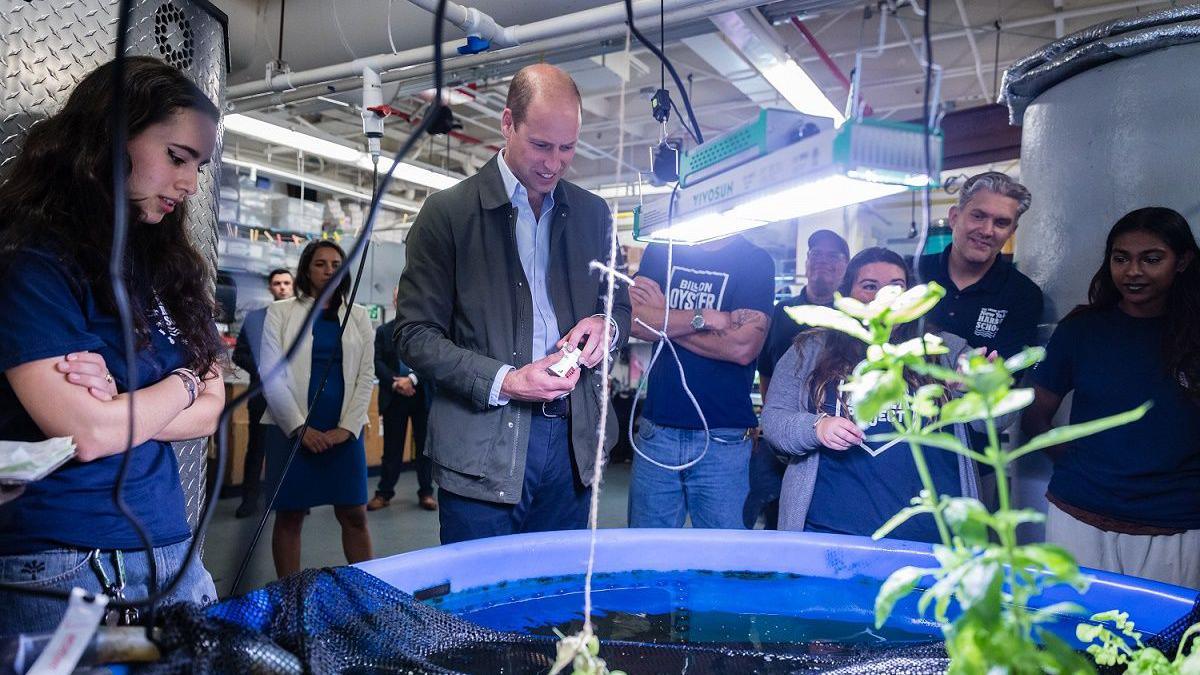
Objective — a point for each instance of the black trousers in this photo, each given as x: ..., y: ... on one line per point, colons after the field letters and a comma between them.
x: 252, y: 466
x: 395, y: 424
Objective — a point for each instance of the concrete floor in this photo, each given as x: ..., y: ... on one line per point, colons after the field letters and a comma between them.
x: 401, y: 527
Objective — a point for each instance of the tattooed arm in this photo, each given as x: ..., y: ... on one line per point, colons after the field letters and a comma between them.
x: 740, y: 341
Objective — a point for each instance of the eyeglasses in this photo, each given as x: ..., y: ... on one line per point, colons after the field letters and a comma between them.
x: 826, y: 256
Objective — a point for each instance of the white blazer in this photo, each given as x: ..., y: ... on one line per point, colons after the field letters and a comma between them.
x: 287, y: 392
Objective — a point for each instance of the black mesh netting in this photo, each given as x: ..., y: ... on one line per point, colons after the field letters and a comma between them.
x: 343, y: 620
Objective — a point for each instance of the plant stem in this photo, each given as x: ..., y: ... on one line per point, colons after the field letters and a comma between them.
x: 1006, y: 529
x: 927, y: 482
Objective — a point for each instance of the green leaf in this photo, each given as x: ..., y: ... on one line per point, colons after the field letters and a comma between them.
x: 884, y: 298
x: 1072, y: 432
x: 1051, y: 613
x: 1063, y: 659
x: 851, y: 306
x: 966, y: 408
x: 1024, y: 359
x: 915, y: 302
x: 926, y: 345
x: 1054, y: 559
x: 827, y: 317
x: 969, y: 519
x: 900, y: 518
x: 871, y: 392
x: 899, y: 584
x: 1014, y: 400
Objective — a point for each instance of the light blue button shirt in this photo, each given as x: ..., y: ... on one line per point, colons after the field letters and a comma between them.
x: 533, y: 248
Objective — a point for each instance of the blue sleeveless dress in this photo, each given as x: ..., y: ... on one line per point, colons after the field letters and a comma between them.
x: 337, y: 476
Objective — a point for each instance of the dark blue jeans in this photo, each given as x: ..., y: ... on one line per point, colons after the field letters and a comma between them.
x: 552, y: 498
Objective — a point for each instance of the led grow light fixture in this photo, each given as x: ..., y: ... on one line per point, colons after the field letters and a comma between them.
x: 866, y: 159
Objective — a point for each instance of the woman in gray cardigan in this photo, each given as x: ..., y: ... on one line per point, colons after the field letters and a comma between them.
x: 836, y: 480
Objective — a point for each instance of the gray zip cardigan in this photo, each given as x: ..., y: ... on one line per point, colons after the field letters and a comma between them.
x: 787, y: 424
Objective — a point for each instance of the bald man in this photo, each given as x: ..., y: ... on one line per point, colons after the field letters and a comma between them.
x: 496, y: 286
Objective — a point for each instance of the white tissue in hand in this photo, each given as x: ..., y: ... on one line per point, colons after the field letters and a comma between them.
x: 566, y: 363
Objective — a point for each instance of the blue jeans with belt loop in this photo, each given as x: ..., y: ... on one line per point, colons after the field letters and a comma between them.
x: 713, y: 491
x: 67, y: 568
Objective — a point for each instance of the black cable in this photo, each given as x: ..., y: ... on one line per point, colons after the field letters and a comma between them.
x: 685, y: 127
x: 687, y: 100
x: 662, y: 44
x: 279, y: 58
x: 359, y: 248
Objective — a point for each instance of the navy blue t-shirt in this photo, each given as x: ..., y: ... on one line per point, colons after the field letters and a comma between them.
x: 740, y: 275
x: 1147, y: 472
x: 784, y: 330
x: 48, y: 313
x: 859, y: 489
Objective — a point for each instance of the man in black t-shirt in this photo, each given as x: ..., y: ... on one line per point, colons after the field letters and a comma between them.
x: 988, y: 302
x: 824, y: 267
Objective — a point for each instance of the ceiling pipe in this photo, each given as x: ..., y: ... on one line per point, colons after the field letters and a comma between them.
x: 570, y: 24
x: 1067, y: 15
x: 473, y: 22
x: 242, y: 102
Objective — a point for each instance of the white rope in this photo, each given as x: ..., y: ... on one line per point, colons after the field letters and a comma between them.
x: 610, y: 291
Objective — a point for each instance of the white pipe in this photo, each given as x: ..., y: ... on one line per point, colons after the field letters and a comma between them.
x: 472, y: 22
x: 1010, y: 25
x: 266, y: 98
x: 571, y: 24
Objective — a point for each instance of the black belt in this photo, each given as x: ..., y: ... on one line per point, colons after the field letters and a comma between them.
x: 557, y: 409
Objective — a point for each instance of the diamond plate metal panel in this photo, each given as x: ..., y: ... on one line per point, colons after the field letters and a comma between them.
x: 48, y: 46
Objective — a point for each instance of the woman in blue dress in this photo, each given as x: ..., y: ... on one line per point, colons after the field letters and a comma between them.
x: 330, y: 466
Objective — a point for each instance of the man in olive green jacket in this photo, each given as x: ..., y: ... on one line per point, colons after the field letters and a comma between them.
x: 497, y: 283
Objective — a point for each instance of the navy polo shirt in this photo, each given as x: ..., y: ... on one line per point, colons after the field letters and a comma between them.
x: 50, y: 312
x: 784, y: 330
x: 1000, y: 311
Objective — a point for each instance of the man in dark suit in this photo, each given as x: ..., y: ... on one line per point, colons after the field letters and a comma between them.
x: 245, y: 355
x: 403, y: 395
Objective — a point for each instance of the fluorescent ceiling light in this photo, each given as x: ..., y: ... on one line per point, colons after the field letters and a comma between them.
x: 275, y: 134
x: 704, y: 228
x: 629, y: 190
x: 790, y: 80
x: 811, y: 196
x: 409, y: 172
x: 320, y: 184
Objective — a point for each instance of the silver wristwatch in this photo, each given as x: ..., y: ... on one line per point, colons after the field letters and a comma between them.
x: 698, y: 319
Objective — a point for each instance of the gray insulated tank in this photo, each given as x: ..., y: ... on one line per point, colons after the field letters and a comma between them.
x: 50, y: 45
x: 1111, y: 119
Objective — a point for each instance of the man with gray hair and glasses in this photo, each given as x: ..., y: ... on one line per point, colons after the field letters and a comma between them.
x: 988, y: 302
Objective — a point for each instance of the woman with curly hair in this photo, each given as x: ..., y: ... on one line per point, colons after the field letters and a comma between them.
x: 63, y: 354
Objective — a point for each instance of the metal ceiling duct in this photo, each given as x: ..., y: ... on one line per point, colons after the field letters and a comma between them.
x: 49, y: 46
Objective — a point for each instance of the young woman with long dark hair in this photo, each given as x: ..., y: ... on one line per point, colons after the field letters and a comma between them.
x: 836, y: 480
x: 330, y: 467
x: 1128, y: 499
x: 62, y: 351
